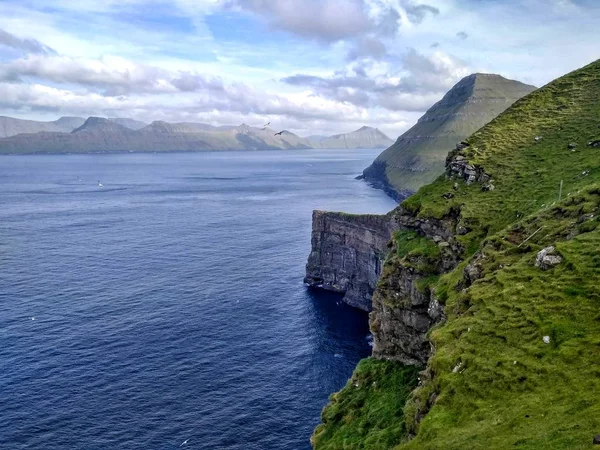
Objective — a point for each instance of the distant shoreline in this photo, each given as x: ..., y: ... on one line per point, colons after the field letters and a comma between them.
x: 146, y: 152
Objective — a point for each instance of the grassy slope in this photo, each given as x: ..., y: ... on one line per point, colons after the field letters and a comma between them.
x: 361, y: 415
x: 512, y: 390
x: 455, y: 118
x: 549, y: 398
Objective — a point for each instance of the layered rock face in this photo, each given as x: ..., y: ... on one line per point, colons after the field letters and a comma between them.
x: 404, y: 308
x: 347, y: 254
x: 417, y: 157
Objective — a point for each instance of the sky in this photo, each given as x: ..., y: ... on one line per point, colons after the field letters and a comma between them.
x: 314, y: 67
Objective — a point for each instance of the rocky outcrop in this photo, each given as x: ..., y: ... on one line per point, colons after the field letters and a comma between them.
x: 404, y: 308
x: 458, y: 166
x: 347, y: 254
x: 547, y: 258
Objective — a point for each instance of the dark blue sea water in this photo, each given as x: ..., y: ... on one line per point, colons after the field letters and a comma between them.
x: 169, y: 305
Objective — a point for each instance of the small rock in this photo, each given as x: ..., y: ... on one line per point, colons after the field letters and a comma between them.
x: 443, y: 245
x: 461, y: 230
x: 448, y: 195
x: 457, y: 367
x: 472, y: 273
x: 538, y: 138
x: 572, y: 145
x: 437, y: 239
x: 488, y: 187
x: 546, y: 258
x: 546, y: 339
x: 596, y: 440
x: 595, y: 143
x: 455, y: 187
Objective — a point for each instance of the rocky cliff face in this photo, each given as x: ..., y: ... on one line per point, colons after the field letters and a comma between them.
x: 347, y: 254
x: 404, y: 306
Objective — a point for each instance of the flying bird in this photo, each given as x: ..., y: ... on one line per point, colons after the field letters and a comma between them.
x: 100, y: 185
x: 184, y: 442
x: 267, y: 124
x: 280, y: 133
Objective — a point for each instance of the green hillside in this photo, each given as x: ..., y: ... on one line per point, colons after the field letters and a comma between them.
x: 516, y: 363
x: 417, y: 157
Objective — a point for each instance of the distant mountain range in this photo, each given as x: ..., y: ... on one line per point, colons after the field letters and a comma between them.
x: 100, y: 135
x: 418, y: 156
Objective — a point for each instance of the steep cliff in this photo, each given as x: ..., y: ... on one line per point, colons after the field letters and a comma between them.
x: 492, y: 289
x: 417, y: 157
x: 347, y: 254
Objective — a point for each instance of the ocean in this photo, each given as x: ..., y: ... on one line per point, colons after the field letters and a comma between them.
x: 168, y: 305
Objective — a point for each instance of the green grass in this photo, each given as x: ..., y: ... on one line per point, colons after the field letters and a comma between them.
x: 409, y: 243
x: 526, y: 173
x: 361, y: 415
x: 510, y: 389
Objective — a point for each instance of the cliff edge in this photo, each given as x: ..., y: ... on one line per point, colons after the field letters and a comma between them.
x: 347, y: 254
x: 491, y: 292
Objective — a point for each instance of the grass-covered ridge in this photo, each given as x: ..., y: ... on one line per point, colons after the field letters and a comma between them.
x: 526, y: 172
x: 492, y: 382
x: 361, y: 415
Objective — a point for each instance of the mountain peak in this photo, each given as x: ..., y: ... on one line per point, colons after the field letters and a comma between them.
x: 98, y: 124
x: 418, y: 156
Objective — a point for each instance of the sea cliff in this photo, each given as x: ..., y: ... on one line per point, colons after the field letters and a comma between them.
x: 490, y: 292
x: 347, y: 254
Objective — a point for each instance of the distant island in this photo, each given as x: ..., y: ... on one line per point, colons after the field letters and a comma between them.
x: 106, y: 135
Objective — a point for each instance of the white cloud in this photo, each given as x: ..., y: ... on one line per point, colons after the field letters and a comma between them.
x: 376, y: 66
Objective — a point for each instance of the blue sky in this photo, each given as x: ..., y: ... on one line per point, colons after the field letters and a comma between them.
x: 310, y: 66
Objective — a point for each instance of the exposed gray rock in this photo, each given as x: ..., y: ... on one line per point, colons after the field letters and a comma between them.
x: 547, y: 259
x: 457, y: 166
x: 461, y: 230
x: 436, y: 310
x: 403, y: 312
x: 595, y: 143
x: 347, y: 254
x: 472, y: 273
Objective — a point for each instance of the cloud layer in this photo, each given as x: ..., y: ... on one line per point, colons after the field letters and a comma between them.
x: 312, y: 66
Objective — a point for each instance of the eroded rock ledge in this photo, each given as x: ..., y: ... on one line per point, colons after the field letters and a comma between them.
x: 348, y: 251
